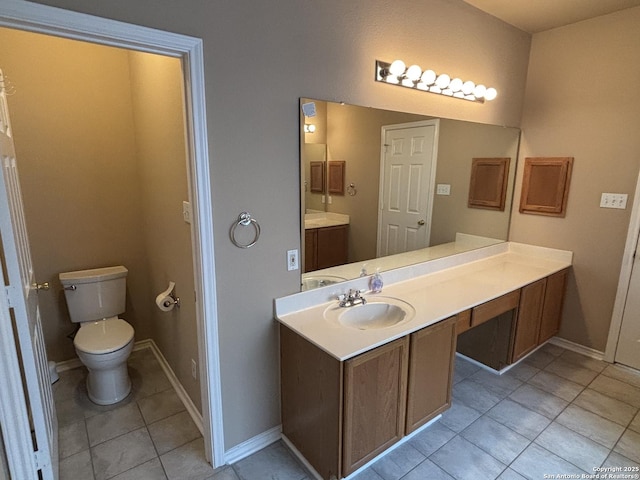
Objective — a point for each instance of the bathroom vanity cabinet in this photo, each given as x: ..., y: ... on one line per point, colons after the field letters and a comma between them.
x: 340, y: 415
x: 515, y: 324
x: 325, y: 247
x: 347, y: 394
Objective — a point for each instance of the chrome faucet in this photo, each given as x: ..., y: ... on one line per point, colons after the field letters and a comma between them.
x: 353, y: 297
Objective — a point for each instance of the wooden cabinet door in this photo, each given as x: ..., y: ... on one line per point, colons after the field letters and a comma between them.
x: 528, y: 319
x: 553, y: 302
x: 374, y: 403
x: 310, y: 250
x: 332, y: 246
x: 430, y: 372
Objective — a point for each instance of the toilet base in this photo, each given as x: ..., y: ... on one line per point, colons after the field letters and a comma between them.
x: 108, y: 381
x: 106, y: 387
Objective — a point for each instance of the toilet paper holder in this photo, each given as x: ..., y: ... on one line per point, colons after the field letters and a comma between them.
x: 167, y: 300
x: 171, y: 300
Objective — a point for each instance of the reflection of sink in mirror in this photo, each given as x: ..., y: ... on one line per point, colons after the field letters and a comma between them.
x: 378, y: 312
x: 317, y: 281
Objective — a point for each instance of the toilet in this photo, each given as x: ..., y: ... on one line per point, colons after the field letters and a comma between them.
x: 104, y: 342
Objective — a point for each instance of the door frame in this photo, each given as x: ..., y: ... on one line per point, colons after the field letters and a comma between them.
x: 22, y: 15
x: 625, y: 277
x: 434, y: 152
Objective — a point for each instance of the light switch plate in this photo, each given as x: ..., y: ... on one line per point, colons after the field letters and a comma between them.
x: 186, y: 212
x: 614, y: 200
x: 443, y: 189
x: 292, y: 260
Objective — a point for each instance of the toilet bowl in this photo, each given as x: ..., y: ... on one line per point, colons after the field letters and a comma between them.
x: 104, y: 347
x: 103, y: 342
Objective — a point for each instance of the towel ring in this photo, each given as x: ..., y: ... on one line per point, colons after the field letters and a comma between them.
x: 245, y: 220
x: 351, y: 190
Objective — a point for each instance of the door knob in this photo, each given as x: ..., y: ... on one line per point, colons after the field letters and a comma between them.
x: 420, y: 222
x: 41, y: 286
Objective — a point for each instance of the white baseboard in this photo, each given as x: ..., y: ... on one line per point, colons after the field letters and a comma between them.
x: 576, y: 347
x: 252, y: 445
x: 196, y: 416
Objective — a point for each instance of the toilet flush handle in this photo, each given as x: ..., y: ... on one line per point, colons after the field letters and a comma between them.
x: 71, y: 287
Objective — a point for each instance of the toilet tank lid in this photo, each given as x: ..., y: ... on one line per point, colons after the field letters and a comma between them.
x: 93, y: 275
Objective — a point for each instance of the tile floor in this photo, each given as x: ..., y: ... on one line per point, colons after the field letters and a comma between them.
x: 556, y: 413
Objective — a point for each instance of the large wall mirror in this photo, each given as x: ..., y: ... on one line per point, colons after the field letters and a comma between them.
x: 405, y: 196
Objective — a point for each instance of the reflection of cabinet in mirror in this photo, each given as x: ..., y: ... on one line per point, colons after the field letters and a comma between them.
x: 325, y: 247
x: 488, y: 186
x: 316, y: 177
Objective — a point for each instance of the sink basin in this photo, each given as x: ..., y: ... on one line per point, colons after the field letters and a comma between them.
x: 317, y: 281
x: 378, y: 312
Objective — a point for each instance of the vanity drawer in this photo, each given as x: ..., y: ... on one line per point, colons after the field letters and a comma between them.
x: 463, y: 321
x: 495, y: 307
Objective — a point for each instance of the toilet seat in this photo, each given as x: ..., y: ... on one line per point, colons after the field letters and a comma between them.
x: 103, y: 336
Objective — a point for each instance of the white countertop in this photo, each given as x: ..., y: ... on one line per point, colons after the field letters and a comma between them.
x: 451, y: 286
x: 324, y: 219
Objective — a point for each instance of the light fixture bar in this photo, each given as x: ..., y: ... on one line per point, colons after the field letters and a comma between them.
x: 397, y: 73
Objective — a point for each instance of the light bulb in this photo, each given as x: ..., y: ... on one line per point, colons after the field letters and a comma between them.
x: 407, y: 82
x: 443, y: 81
x: 467, y: 87
x: 414, y: 72
x: 490, y: 94
x: 391, y: 79
x: 397, y: 68
x: 479, y: 91
x: 428, y: 77
x: 455, y: 85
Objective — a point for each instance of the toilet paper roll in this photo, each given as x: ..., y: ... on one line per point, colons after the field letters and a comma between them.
x: 164, y: 300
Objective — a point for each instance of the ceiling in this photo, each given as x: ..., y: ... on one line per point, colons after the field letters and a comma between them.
x: 535, y: 16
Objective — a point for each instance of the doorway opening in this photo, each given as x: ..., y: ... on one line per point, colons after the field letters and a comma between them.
x: 59, y: 23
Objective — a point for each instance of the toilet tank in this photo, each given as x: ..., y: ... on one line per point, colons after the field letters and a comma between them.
x: 95, y: 294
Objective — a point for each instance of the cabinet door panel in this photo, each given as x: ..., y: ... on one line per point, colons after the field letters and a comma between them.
x: 528, y: 319
x: 374, y: 403
x: 553, y: 302
x: 310, y: 250
x: 430, y: 372
x: 332, y: 246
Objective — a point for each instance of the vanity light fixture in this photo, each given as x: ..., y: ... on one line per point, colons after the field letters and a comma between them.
x: 309, y: 128
x: 397, y: 73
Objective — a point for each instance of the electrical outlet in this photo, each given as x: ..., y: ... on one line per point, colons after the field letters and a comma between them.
x: 292, y: 260
x: 194, y: 369
x: 614, y: 200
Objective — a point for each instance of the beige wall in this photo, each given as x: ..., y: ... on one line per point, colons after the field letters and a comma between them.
x: 260, y: 58
x: 100, y: 145
x: 458, y: 143
x: 73, y: 128
x: 158, y: 106
x: 580, y: 103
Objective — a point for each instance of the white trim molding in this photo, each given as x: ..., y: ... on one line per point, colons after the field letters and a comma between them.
x: 33, y: 17
x: 576, y: 347
x: 254, y: 444
x: 624, y: 278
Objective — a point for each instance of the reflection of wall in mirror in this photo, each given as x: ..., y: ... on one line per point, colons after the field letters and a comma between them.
x: 353, y: 135
x: 459, y: 142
